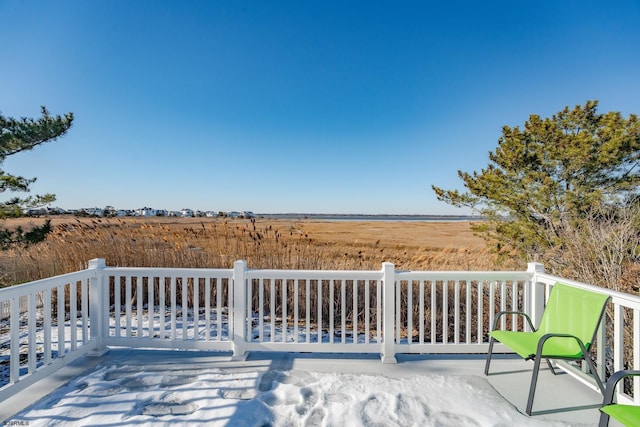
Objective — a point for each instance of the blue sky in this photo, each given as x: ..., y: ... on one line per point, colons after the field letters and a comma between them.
x: 290, y: 106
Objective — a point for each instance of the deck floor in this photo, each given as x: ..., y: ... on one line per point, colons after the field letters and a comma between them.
x: 558, y: 398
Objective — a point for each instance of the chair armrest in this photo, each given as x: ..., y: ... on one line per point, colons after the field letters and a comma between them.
x: 612, y: 382
x: 548, y: 336
x: 520, y: 313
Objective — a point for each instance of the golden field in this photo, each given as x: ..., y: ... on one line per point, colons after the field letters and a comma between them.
x: 264, y: 243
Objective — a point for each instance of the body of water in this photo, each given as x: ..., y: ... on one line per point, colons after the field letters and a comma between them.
x: 365, y: 217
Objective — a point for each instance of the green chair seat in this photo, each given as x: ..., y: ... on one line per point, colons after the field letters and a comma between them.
x: 628, y: 415
x: 525, y: 345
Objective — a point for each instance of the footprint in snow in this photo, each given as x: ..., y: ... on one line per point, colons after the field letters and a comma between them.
x: 238, y: 394
x: 168, y: 408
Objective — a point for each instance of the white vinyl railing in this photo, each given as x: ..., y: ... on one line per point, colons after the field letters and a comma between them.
x: 241, y: 310
x: 53, y: 330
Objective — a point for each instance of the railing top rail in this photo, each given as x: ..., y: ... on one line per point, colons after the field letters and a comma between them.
x: 48, y: 283
x: 315, y: 274
x: 168, y: 271
x: 463, y: 275
x: 628, y: 300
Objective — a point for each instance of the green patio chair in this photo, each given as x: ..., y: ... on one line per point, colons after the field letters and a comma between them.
x: 567, y: 329
x: 628, y: 415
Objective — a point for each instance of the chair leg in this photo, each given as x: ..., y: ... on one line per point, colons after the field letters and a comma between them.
x: 592, y: 369
x: 532, y: 388
x: 486, y: 366
x: 604, y: 420
x: 553, y: 371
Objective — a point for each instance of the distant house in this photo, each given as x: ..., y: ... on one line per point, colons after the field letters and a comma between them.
x: 109, y: 211
x: 93, y: 211
x: 146, y: 212
x: 35, y: 211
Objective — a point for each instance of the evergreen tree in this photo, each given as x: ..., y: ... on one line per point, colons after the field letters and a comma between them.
x: 545, y: 178
x: 17, y: 135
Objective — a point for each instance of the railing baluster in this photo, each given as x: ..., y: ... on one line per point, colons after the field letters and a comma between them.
x: 162, y: 305
x: 151, y: 306
x: 84, y: 288
x: 397, y: 309
x: 219, y: 309
x: 185, y: 308
x: 343, y: 311
x: 480, y: 321
x: 618, y: 337
x: 296, y: 310
x: 319, y: 325
x: 61, y: 316
x: 409, y: 311
x: 73, y: 316
x: 261, y: 309
x: 422, y: 319
x: 636, y: 356
x: 331, y: 311
x: 117, y: 310
x: 527, y: 302
x: 467, y: 327
x: 139, y: 307
x: 196, y: 308
x: 174, y: 304
x: 456, y: 312
x: 46, y: 318
x: 492, y: 303
x: 503, y: 304
x: 207, y: 308
x: 284, y: 323
x: 272, y: 309
x: 308, y: 310
x: 433, y: 311
x: 31, y: 344
x: 445, y: 311
x: 128, y: 306
x: 367, y: 305
x: 514, y: 305
x: 250, y: 309
x: 354, y: 318
x: 14, y: 359
x: 379, y: 311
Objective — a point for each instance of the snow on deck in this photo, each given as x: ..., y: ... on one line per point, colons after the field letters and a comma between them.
x: 160, y: 387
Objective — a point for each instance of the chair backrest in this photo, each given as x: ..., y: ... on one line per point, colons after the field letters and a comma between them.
x: 573, y: 311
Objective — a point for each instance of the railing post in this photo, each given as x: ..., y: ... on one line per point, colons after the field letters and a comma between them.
x: 239, y: 309
x: 536, y: 295
x: 98, y: 299
x: 388, y: 316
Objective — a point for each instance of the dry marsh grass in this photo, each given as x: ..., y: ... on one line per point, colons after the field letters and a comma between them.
x: 263, y: 243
